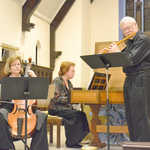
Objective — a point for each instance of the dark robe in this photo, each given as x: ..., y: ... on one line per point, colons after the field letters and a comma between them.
x: 137, y: 87
x: 39, y: 137
x: 75, y: 122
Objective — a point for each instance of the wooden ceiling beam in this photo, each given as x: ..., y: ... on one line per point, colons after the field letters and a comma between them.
x: 27, y: 11
x: 91, y: 1
x: 61, y: 13
x: 53, y: 27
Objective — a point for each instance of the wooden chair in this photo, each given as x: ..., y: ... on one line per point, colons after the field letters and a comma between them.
x: 54, y: 120
x: 51, y: 120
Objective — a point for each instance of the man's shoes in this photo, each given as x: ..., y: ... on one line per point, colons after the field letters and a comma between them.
x: 74, y: 146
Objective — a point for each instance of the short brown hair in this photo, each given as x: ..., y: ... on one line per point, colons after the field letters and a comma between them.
x: 64, y: 67
x: 9, y: 61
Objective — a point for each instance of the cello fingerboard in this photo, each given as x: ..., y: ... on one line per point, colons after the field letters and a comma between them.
x: 19, y: 126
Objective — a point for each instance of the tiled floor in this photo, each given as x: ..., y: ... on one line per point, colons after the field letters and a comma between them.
x: 19, y: 145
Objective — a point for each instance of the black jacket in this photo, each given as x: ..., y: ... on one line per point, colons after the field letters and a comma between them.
x: 138, y: 50
x: 61, y: 99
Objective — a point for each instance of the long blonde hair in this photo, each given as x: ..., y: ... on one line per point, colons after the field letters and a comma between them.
x: 8, y: 63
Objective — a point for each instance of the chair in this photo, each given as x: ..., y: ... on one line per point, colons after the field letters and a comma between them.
x: 51, y: 120
x: 54, y: 120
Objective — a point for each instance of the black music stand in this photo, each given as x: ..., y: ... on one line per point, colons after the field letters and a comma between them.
x: 24, y: 88
x: 107, y: 61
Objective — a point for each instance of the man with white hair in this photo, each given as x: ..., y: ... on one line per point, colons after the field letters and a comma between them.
x: 137, y: 82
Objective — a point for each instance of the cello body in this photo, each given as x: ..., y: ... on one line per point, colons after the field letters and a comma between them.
x: 16, y: 119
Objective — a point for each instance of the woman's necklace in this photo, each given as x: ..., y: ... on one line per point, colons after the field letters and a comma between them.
x: 15, y: 75
x: 66, y: 82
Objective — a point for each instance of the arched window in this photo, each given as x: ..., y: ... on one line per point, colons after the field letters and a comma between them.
x: 130, y: 8
x: 37, y: 51
x: 147, y: 15
x: 140, y: 10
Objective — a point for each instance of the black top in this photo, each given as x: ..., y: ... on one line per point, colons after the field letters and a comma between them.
x: 61, y: 98
x: 138, y: 50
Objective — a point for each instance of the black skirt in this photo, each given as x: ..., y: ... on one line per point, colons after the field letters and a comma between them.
x: 75, y: 123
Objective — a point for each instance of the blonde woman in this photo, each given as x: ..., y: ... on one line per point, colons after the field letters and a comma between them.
x: 13, y: 68
x: 75, y: 122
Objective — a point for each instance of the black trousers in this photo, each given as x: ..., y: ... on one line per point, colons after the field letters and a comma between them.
x: 39, y: 137
x: 75, y: 123
x: 137, y: 105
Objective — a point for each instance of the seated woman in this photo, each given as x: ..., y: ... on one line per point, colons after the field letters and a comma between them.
x: 13, y: 68
x: 75, y: 122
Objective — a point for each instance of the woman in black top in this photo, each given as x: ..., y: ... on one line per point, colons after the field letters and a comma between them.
x: 75, y: 122
x: 13, y: 68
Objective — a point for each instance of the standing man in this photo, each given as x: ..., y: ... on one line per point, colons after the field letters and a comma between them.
x: 137, y: 82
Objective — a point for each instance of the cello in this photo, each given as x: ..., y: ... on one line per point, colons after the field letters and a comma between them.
x: 16, y: 119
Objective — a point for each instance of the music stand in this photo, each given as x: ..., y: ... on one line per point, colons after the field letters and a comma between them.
x: 107, y: 61
x: 24, y: 88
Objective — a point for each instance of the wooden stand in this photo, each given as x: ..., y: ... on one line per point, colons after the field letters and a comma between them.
x: 94, y: 122
x: 54, y: 120
x: 95, y: 99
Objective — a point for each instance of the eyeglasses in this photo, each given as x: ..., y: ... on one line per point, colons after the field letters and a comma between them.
x: 14, y: 65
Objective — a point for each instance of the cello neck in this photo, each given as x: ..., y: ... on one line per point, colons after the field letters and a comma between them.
x: 28, y: 67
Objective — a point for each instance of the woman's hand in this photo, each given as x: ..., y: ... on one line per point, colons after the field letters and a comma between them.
x: 31, y: 73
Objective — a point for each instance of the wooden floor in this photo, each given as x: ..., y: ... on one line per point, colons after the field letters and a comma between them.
x: 19, y: 145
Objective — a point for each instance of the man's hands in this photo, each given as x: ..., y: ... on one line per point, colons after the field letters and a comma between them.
x: 113, y: 48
